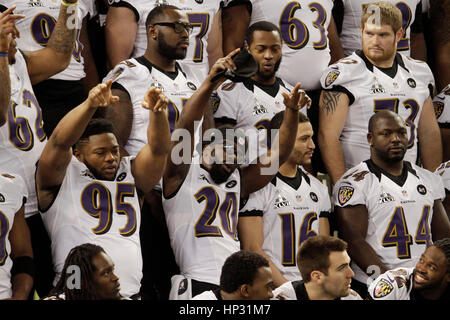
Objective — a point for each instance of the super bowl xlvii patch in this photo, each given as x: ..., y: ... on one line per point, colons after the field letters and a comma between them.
x: 345, y: 193
x: 331, y: 77
x: 382, y: 289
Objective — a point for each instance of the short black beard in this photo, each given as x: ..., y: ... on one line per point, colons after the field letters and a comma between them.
x: 168, y: 51
x: 268, y: 77
x: 219, y: 176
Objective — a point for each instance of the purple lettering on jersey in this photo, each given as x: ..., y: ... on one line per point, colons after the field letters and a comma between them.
x: 293, y: 31
x: 200, y: 20
x: 20, y: 133
x: 126, y: 190
x: 228, y: 214
x: 96, y: 201
x: 203, y: 227
x: 305, y: 230
x: 319, y: 23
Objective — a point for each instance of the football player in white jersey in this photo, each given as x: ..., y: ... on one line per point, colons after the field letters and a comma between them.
x: 428, y: 280
x: 444, y: 171
x: 16, y: 254
x: 251, y: 104
x: 309, y: 41
x: 22, y: 137
x: 159, y: 67
x: 79, y: 76
x: 245, y: 275
x: 324, y: 264
x: 126, y: 30
x: 441, y: 104
x: 374, y: 79
x: 201, y: 198
x: 388, y: 210
x: 91, y: 194
x: 293, y: 207
x: 347, y: 14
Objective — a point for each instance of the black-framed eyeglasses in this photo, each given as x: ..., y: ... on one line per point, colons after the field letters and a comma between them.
x: 179, y: 27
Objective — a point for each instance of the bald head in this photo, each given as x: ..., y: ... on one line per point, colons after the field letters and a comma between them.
x: 383, y: 114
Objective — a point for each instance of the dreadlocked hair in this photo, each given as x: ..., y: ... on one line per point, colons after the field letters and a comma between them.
x: 444, y: 245
x: 82, y: 257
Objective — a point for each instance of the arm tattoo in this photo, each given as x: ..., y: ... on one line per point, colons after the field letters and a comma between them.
x: 62, y: 39
x: 330, y: 100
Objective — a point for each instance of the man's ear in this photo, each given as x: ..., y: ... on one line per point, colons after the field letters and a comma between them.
x: 369, y: 138
x: 316, y: 276
x: 244, y: 291
x: 78, y: 154
x: 399, y: 35
x: 152, y: 32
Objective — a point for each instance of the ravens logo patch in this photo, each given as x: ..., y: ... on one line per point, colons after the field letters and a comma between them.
x: 382, y: 289
x: 438, y: 108
x: 331, y: 77
x: 345, y: 193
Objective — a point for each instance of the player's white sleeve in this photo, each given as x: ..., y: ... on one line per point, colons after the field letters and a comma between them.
x: 352, y: 189
x: 441, y: 104
x: 444, y: 172
x: 285, y: 292
x: 226, y: 103
x: 391, y: 285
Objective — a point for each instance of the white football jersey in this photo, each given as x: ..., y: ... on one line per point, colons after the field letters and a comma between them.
x: 202, y: 222
x: 441, y: 104
x: 208, y: 295
x: 250, y: 106
x: 295, y: 290
x: 400, y: 210
x: 444, y: 171
x: 393, y: 285
x: 22, y: 137
x: 370, y: 90
x: 200, y: 13
x: 304, y: 31
x: 106, y: 213
x: 290, y: 209
x: 38, y: 24
x: 136, y: 76
x: 351, y: 35
x: 13, y: 194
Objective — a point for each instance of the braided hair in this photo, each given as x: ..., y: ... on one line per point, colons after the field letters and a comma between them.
x: 81, y: 256
x: 444, y: 245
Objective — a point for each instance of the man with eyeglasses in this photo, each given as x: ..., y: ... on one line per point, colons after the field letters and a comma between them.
x: 168, y: 30
x: 126, y: 32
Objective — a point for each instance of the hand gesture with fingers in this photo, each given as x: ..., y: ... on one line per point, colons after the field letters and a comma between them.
x: 101, y: 96
x: 221, y: 65
x: 296, y: 99
x: 155, y: 100
x: 8, y: 30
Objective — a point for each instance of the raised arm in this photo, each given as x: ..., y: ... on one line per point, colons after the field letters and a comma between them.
x: 120, y: 34
x: 192, y: 112
x: 235, y: 22
x: 429, y: 136
x: 55, y: 57
x: 57, y: 153
x: 8, y: 31
x: 257, y: 175
x: 149, y: 164
x: 333, y: 109
x: 22, y: 255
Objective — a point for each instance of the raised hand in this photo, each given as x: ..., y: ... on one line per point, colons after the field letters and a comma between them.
x: 222, y: 64
x: 8, y: 30
x: 155, y: 100
x: 101, y: 96
x: 296, y: 99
